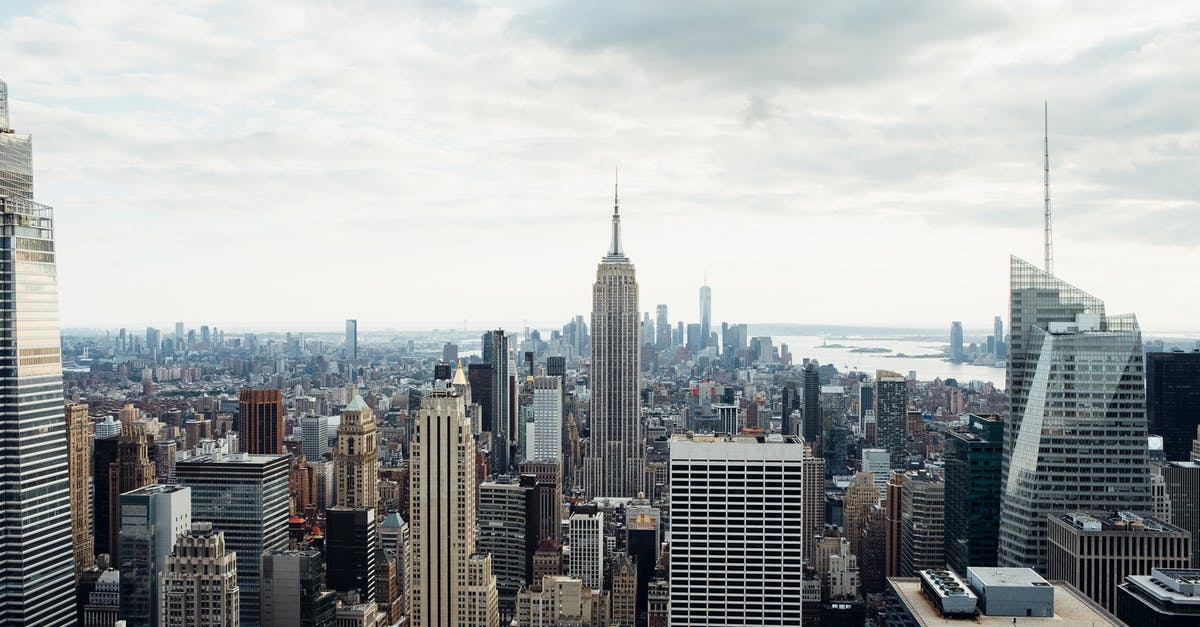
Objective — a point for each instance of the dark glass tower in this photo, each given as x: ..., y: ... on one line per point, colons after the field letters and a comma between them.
x: 37, y: 575
x: 973, y: 493
x: 812, y: 401
x: 1173, y: 400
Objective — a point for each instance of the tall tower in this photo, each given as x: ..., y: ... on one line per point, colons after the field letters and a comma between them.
x: 891, y: 414
x: 131, y: 470
x: 357, y: 450
x: 449, y: 583
x: 80, y: 465
x: 36, y: 573
x: 199, y: 584
x: 260, y: 422
x: 615, y: 462
x: 351, y: 349
x: 705, y: 314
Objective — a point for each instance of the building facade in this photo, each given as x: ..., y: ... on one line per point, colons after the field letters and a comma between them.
x: 199, y: 582
x: 1173, y: 400
x: 973, y: 482
x: 547, y: 419
x: 260, y: 422
x: 79, y: 466
x: 292, y: 590
x: 152, y: 518
x: 357, y: 457
x: 891, y: 417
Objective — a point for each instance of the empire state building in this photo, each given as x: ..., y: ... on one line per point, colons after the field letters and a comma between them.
x: 615, y: 462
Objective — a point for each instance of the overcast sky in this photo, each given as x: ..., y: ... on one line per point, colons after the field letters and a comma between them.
x: 861, y: 162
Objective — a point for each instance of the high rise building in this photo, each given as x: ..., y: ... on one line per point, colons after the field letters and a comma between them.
x: 812, y: 401
x: 893, y: 520
x: 922, y: 531
x: 624, y: 591
x: 1076, y: 426
x: 662, y: 329
x: 998, y: 333
x: 891, y: 416
x: 104, y: 454
x: 152, y: 517
x: 351, y: 539
x: 705, y: 315
x: 36, y: 573
x: 79, y: 467
x: 616, y: 459
x: 356, y: 458
x: 260, y: 422
x: 505, y: 516
x: 292, y: 591
x: 199, y: 583
x: 1173, y: 400
x: 956, y: 342
x: 878, y: 462
x: 973, y: 461
x: 1164, y: 598
x: 131, y: 470
x: 813, y: 503
x: 861, y: 497
x: 722, y: 541
x: 450, y: 584
x: 559, y: 600
x: 246, y: 499
x: 585, y: 535
x: 643, y: 538
x: 496, y: 353
x: 314, y: 437
x: 547, y: 499
x: 1182, y: 481
x: 350, y: 351
x: 1096, y: 552
x: 548, y: 419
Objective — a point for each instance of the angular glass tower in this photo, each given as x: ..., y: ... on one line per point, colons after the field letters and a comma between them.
x: 1075, y: 437
x: 36, y: 563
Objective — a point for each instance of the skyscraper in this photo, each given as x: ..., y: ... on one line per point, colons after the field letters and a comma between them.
x: 36, y: 573
x: 1173, y: 400
x: 812, y: 401
x: 496, y: 354
x: 585, y: 533
x: 722, y: 540
x: 812, y: 522
x: 447, y: 586
x: 356, y: 457
x: 246, y: 499
x: 260, y: 422
x: 998, y: 334
x: 131, y: 470
x: 351, y: 537
x: 79, y: 464
x: 891, y: 416
x: 705, y: 314
x: 292, y: 592
x: 152, y: 517
x: 922, y: 515
x: 351, y: 347
x: 548, y: 419
x: 662, y: 328
x: 314, y: 437
x: 615, y: 462
x: 956, y: 342
x: 1076, y: 428
x: 199, y: 584
x: 505, y: 517
x: 973, y: 493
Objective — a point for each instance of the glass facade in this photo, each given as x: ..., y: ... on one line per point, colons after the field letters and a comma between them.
x: 36, y: 572
x: 1075, y: 437
x: 973, y: 493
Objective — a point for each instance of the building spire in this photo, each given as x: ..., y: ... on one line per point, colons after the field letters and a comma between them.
x: 615, y: 254
x: 1048, y: 234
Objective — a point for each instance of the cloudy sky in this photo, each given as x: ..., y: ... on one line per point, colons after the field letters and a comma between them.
x: 861, y: 162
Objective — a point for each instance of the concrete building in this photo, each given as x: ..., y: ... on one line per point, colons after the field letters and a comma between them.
x: 152, y: 518
x: 861, y: 496
x: 559, y: 600
x: 79, y: 469
x: 616, y: 459
x: 724, y: 541
x: 1164, y: 598
x: 624, y: 592
x: 893, y: 524
x: 356, y: 459
x: 878, y: 462
x: 350, y: 347
x: 314, y: 437
x: 199, y: 583
x: 449, y: 585
x: 813, y: 502
x: 585, y: 536
x: 1095, y: 553
x: 891, y: 417
x: 130, y: 470
x: 922, y: 534
x: 548, y: 419
x: 292, y: 590
x: 1182, y: 481
x: 260, y: 422
x: 504, y: 533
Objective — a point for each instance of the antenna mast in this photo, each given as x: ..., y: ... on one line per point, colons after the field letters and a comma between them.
x: 1048, y: 234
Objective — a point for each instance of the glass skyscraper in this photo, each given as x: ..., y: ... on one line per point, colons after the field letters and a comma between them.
x: 36, y: 563
x: 1075, y: 437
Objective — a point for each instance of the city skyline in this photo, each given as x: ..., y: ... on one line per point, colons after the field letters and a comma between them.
x: 938, y: 171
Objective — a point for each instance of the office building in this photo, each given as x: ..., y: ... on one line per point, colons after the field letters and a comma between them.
x: 351, y: 540
x: 199, y: 583
x: 998, y: 334
x: 878, y: 462
x: 314, y: 437
x: 1173, y: 400
x: 505, y: 514
x: 616, y: 458
x: 450, y: 584
x: 812, y: 401
x: 1077, y: 432
x: 813, y: 503
x: 35, y: 509
x: 922, y: 532
x: 292, y: 591
x: 104, y: 455
x: 893, y: 520
x: 548, y: 419
x: 152, y: 517
x: 662, y: 329
x: 705, y: 315
x: 245, y: 497
x: 558, y: 600
x: 973, y: 482
x: 102, y: 602
x: 1164, y: 598
x: 547, y: 499
x: 624, y: 591
x: 585, y: 535
x: 891, y: 417
x: 1182, y: 484
x: 643, y: 539
x: 350, y: 349
x: 131, y: 470
x: 956, y: 342
x: 356, y: 457
x: 733, y: 558
x: 500, y: 423
x: 861, y: 497
x: 260, y: 422
x: 79, y: 469
x: 1096, y: 552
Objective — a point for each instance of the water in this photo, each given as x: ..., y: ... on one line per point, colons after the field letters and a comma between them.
x: 927, y: 368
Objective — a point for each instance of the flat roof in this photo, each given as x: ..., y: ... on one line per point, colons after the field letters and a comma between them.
x: 1071, y: 609
x: 1007, y: 577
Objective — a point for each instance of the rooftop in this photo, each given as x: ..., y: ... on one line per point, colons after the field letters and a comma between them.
x: 1071, y: 609
x: 1177, y: 586
x: 1117, y: 522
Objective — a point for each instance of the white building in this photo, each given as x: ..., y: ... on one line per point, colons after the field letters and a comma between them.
x: 547, y: 419
x: 878, y: 462
x: 585, y: 535
x: 199, y: 585
x: 736, y: 515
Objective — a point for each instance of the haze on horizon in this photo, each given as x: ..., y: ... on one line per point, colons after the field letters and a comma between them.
x: 863, y: 164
